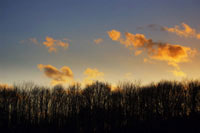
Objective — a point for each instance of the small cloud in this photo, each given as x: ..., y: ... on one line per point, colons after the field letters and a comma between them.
x: 62, y: 76
x: 152, y: 27
x: 183, y: 31
x: 198, y: 36
x: 52, y: 44
x: 30, y: 41
x: 34, y: 41
x: 114, y: 35
x: 91, y: 75
x: 138, y: 52
x: 98, y: 40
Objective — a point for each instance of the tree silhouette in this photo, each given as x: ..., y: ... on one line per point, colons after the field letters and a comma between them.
x: 96, y: 108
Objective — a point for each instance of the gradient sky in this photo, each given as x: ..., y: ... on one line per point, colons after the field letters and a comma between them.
x: 81, y: 22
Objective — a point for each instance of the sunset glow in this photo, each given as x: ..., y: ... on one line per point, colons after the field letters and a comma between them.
x: 66, y: 42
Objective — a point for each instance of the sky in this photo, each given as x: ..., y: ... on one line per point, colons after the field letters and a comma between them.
x: 52, y: 42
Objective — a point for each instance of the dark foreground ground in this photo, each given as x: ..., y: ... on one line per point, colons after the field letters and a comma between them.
x: 160, y: 107
x: 167, y: 126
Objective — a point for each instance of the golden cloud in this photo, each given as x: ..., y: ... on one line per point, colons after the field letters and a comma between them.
x: 136, y: 41
x: 98, y: 40
x: 91, y: 75
x: 65, y: 75
x: 62, y: 76
x: 114, y: 34
x: 184, y: 31
x: 171, y: 53
x: 198, y: 36
x: 52, y: 44
x: 138, y: 52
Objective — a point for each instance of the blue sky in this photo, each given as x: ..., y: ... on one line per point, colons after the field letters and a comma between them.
x: 82, y: 22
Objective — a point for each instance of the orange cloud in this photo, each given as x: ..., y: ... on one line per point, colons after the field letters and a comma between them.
x: 198, y: 36
x: 62, y: 76
x: 114, y: 34
x: 52, y: 44
x: 65, y: 75
x: 98, y: 40
x: 91, y: 75
x: 136, y: 41
x: 138, y: 52
x: 184, y: 31
x: 171, y: 53
x: 157, y: 50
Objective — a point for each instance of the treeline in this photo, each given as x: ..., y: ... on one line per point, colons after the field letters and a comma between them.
x: 96, y: 108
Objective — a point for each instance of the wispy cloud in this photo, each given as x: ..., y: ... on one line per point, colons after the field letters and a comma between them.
x: 152, y: 27
x: 34, y: 41
x: 183, y: 31
x: 91, y: 75
x: 62, y: 76
x: 52, y: 44
x: 98, y: 40
x: 138, y: 52
x: 173, y: 54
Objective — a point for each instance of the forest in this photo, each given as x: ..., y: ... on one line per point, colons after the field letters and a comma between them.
x: 167, y: 106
